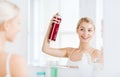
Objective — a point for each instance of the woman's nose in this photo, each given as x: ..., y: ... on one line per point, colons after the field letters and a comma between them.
x: 86, y: 33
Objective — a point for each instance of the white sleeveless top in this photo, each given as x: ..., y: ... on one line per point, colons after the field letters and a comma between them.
x: 8, y: 66
x: 87, y: 68
x: 86, y: 59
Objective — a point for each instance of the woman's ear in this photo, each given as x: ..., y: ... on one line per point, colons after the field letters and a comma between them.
x: 4, y: 26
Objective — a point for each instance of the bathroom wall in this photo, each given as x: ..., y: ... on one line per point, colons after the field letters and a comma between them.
x: 111, y: 37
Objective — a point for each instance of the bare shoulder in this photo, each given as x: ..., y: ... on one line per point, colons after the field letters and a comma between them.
x: 18, y: 63
x: 15, y: 59
x: 70, y: 50
x: 97, y: 52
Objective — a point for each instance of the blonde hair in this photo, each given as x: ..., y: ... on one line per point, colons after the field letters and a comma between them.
x: 8, y: 11
x: 87, y: 20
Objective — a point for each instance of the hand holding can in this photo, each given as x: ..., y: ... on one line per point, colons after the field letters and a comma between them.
x: 55, y: 27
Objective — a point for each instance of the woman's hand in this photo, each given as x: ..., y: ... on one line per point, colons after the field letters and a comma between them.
x: 57, y: 52
x: 55, y: 19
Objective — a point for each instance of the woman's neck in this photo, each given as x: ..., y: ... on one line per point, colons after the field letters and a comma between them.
x: 2, y: 43
x: 84, y: 47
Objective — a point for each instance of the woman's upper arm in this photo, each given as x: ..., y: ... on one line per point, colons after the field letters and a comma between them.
x: 18, y: 67
x: 58, y: 52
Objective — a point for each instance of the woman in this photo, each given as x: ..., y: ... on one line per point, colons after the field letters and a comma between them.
x: 84, y: 54
x: 85, y: 30
x: 11, y: 65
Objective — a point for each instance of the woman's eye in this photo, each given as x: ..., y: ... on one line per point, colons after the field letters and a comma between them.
x: 81, y: 29
x: 89, y: 30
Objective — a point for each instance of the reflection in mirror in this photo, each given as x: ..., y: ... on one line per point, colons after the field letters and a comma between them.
x: 41, y: 12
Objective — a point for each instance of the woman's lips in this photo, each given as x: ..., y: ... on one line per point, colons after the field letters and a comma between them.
x: 85, y: 38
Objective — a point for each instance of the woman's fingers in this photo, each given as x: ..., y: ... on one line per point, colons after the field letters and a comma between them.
x: 55, y: 19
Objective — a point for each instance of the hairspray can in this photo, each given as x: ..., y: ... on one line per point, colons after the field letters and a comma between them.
x: 55, y: 28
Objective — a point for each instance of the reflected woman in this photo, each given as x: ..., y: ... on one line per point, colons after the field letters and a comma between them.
x: 11, y: 65
x: 83, y: 56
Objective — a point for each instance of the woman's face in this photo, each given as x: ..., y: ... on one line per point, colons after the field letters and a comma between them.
x: 85, y: 32
x: 13, y: 27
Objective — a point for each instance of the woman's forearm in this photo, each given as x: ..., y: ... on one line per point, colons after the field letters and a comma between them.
x: 46, y: 43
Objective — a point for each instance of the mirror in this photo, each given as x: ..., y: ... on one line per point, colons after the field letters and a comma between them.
x: 40, y: 14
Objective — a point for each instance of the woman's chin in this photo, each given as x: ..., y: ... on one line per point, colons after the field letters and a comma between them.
x: 10, y: 40
x: 84, y: 41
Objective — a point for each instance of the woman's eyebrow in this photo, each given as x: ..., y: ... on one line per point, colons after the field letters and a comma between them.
x: 90, y: 28
x: 82, y: 27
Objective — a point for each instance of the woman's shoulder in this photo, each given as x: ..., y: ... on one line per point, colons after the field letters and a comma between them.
x: 70, y: 50
x: 97, y: 52
x: 16, y: 58
x: 17, y: 62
